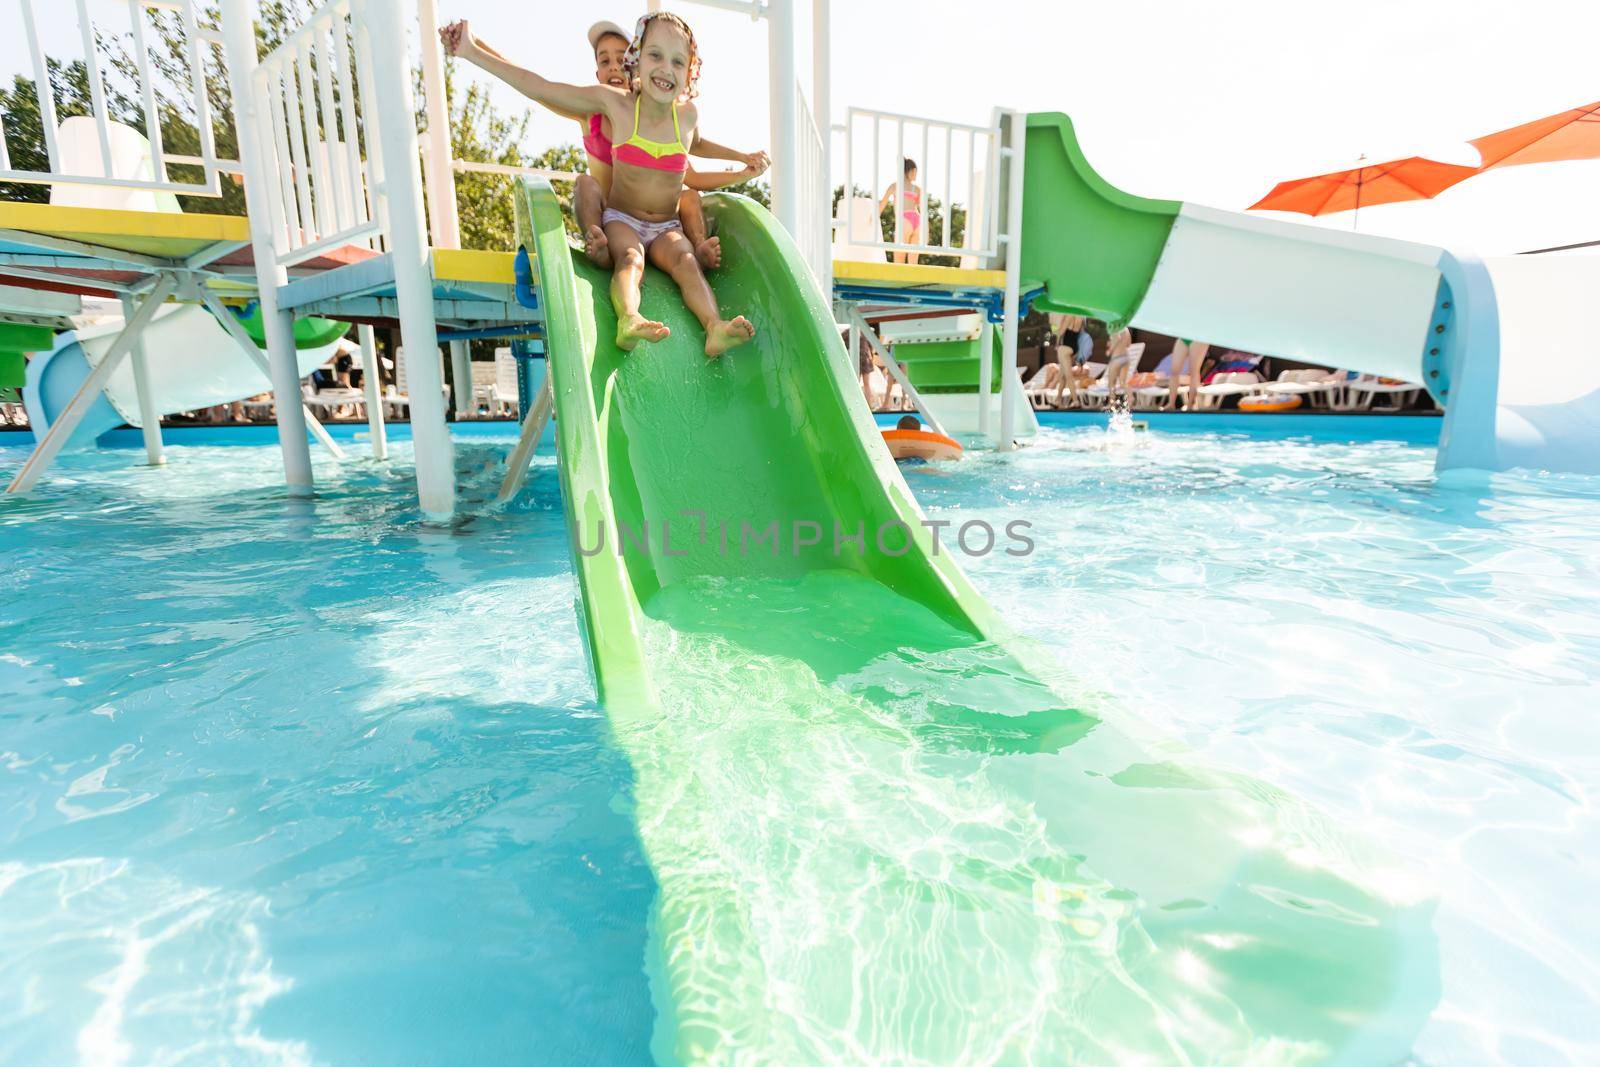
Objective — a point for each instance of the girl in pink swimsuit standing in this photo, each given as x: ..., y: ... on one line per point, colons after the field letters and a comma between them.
x: 910, y: 212
x: 647, y: 168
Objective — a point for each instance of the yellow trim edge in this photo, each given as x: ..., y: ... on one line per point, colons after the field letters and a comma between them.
x: 81, y: 222
x: 917, y: 274
x: 473, y: 265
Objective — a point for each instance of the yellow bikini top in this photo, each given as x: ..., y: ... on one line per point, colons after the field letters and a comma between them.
x: 654, y: 155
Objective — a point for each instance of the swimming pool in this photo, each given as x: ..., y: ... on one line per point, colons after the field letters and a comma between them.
x: 314, y: 782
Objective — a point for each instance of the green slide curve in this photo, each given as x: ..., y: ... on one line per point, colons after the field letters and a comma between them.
x: 309, y: 332
x: 1240, y: 280
x: 882, y: 827
x: 1102, y: 265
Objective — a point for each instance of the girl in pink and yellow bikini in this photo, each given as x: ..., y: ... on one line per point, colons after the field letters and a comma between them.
x: 910, y: 212
x: 641, y: 218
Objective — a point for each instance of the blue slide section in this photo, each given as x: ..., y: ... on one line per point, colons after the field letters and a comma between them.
x: 53, y: 378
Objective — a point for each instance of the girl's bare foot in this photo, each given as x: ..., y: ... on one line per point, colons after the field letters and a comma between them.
x: 728, y: 333
x: 597, y: 248
x: 630, y: 331
x: 709, y: 253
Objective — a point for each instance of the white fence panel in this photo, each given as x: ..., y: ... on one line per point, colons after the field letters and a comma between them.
x: 104, y: 168
x: 953, y: 161
x: 814, y: 219
x: 319, y: 137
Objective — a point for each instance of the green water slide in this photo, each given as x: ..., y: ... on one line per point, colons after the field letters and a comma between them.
x: 1347, y: 300
x: 16, y: 341
x: 884, y: 828
x: 1093, y: 246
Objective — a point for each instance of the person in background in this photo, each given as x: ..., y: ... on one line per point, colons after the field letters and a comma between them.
x: 910, y: 211
x: 1074, y: 338
x: 864, y: 365
x: 1187, y: 355
x: 1122, y: 365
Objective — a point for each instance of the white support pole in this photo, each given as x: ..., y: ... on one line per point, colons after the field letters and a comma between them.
x: 1016, y: 124
x: 384, y: 22
x: 149, y: 418
x: 886, y: 354
x: 854, y: 336
x: 443, y: 219
x: 372, y: 386
x: 822, y: 113
x: 461, y: 373
x: 785, y: 140
x: 532, y: 429
x: 255, y: 133
x: 61, y: 429
x: 247, y: 346
x: 985, y: 372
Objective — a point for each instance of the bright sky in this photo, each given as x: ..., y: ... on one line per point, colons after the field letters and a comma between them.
x: 1206, y: 102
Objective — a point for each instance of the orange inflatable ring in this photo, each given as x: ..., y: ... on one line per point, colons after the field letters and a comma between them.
x: 1269, y: 402
x: 921, y: 444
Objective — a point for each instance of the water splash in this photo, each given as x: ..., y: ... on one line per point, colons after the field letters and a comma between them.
x: 1119, y: 427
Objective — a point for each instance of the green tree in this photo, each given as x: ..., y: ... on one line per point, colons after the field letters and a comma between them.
x: 24, y: 129
x: 756, y: 189
x: 482, y: 133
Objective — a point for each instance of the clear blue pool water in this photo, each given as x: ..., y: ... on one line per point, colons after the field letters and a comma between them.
x: 311, y: 782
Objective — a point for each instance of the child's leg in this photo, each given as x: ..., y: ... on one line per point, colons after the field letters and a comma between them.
x: 627, y: 273
x: 1197, y: 361
x: 673, y: 254
x: 708, y: 250
x: 1180, y: 359
x: 588, y: 204
x: 914, y: 236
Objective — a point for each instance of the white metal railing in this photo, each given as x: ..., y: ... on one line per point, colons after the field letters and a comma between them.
x: 954, y: 163
x: 813, y: 229
x: 468, y: 166
x: 510, y: 170
x: 318, y: 137
x: 197, y: 40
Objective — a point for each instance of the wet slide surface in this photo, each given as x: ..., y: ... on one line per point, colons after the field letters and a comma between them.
x: 881, y: 827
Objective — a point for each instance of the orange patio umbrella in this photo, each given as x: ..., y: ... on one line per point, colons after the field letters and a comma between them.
x: 1412, y: 178
x: 1573, y: 134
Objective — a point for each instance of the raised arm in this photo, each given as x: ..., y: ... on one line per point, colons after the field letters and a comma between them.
x: 569, y: 100
x: 709, y: 149
x: 706, y: 181
x: 488, y: 49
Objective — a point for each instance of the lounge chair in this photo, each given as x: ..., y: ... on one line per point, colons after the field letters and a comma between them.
x: 1229, y: 383
x: 505, y: 382
x: 1359, y: 393
x: 399, y: 395
x: 1097, y: 392
x: 1308, y: 382
x: 483, y: 401
x: 1041, y: 388
x: 328, y: 401
x: 1150, y: 388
